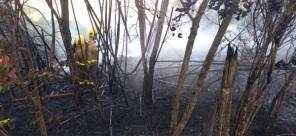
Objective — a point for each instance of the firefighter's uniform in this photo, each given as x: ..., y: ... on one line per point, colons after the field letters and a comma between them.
x: 6, y: 124
x: 85, y: 58
x: 86, y: 54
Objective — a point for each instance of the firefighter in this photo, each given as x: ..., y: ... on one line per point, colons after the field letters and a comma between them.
x: 79, y: 49
x: 93, y: 57
x: 92, y: 45
x: 85, y: 53
x: 85, y: 57
x: 93, y: 50
x: 81, y: 73
x: 7, y: 123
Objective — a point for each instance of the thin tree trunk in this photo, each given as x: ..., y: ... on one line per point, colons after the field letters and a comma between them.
x: 34, y: 98
x: 66, y: 36
x: 53, y: 40
x: 278, y: 100
x: 148, y: 79
x: 252, y: 102
x: 223, y: 112
x: 20, y: 82
x: 203, y: 72
x: 40, y: 117
x: 65, y: 30
x: 240, y: 120
x: 3, y: 132
x: 142, y: 27
x: 184, y: 68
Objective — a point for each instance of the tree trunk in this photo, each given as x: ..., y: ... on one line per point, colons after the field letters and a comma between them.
x: 148, y: 79
x: 223, y: 112
x: 53, y: 39
x: 65, y: 30
x: 251, y: 102
x: 184, y: 67
x: 142, y: 27
x: 278, y: 100
x: 66, y: 36
x: 3, y: 132
x: 20, y: 81
x: 147, y: 89
x: 34, y: 98
x: 40, y: 118
x: 203, y: 72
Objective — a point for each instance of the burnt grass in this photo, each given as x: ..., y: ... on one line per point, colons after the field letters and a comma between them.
x: 92, y: 118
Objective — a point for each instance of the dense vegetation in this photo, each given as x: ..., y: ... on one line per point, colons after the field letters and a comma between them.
x: 106, y: 88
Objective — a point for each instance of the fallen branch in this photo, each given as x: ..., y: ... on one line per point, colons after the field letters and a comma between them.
x: 57, y: 95
x: 79, y: 115
x: 75, y: 117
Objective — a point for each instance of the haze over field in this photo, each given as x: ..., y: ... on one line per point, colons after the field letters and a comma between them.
x: 173, y: 47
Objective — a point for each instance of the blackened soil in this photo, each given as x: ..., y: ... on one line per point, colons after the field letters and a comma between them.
x: 92, y: 118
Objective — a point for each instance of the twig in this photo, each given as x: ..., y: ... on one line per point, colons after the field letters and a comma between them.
x: 57, y: 95
x: 110, y: 123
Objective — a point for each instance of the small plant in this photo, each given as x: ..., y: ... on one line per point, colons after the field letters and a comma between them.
x: 7, y: 71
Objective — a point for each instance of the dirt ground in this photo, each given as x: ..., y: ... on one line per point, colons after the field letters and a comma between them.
x: 92, y: 118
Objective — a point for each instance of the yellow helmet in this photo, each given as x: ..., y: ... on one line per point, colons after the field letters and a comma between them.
x: 79, y: 40
x: 92, y: 33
